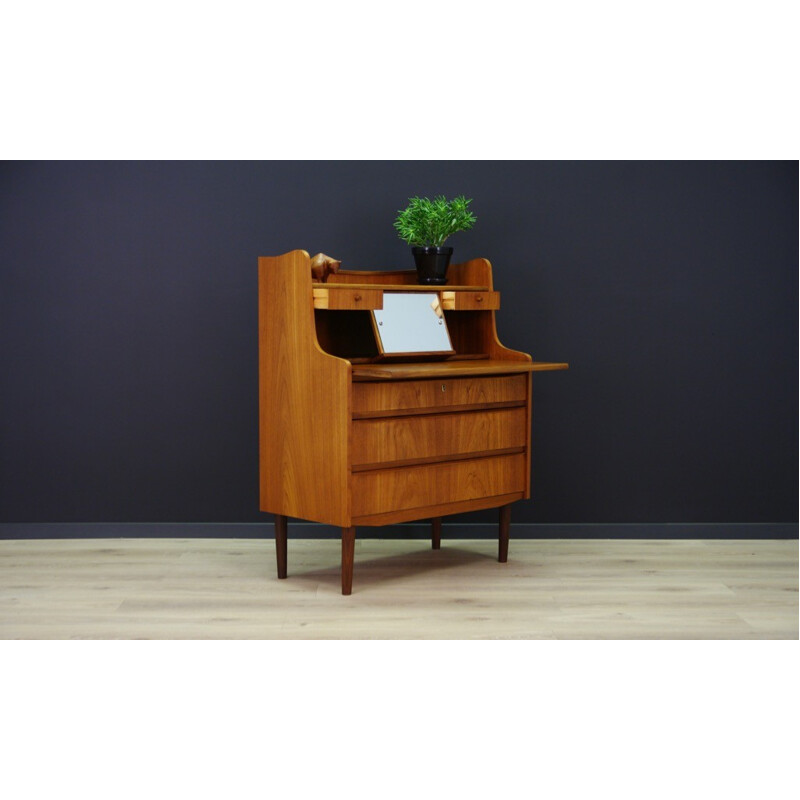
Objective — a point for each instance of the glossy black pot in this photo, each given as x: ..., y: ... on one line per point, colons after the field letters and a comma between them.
x: 432, y: 263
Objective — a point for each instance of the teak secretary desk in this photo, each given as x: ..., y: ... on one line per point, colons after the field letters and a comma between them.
x: 348, y: 437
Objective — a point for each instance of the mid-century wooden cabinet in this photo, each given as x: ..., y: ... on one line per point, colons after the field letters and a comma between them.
x: 349, y: 438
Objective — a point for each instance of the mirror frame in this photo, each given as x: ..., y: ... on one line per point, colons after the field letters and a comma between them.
x: 376, y: 325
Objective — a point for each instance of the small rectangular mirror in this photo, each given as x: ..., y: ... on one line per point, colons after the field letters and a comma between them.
x: 411, y: 323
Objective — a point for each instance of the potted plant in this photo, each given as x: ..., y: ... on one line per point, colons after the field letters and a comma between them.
x: 425, y: 224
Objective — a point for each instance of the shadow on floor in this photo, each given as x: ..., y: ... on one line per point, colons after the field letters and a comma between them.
x: 397, y: 566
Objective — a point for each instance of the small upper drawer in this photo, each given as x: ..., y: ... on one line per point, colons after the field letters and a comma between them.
x: 396, y: 398
x: 470, y: 301
x: 347, y: 299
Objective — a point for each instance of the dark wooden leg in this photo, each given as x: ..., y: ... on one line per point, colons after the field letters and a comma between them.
x: 505, y: 521
x: 280, y: 543
x: 436, y: 533
x: 348, y: 552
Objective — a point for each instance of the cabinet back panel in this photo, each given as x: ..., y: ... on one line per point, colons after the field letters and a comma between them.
x: 346, y: 334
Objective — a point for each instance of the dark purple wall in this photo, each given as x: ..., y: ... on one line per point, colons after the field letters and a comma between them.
x: 128, y: 352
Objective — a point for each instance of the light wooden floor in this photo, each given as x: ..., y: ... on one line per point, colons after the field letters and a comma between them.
x: 550, y: 589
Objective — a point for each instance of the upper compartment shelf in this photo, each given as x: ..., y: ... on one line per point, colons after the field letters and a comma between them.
x: 354, y: 296
x: 400, y: 287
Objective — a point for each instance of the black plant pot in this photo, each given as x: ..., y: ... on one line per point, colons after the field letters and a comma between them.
x: 432, y: 263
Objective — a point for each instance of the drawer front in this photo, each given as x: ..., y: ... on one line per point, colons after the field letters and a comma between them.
x: 389, y: 490
x: 348, y: 299
x: 470, y: 301
x: 381, y: 398
x: 383, y: 441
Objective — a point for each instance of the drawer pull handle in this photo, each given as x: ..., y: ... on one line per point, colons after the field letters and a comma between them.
x: 479, y: 299
x: 443, y: 387
x: 356, y: 297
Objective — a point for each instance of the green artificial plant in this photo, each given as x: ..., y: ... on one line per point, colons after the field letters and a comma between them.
x: 428, y: 223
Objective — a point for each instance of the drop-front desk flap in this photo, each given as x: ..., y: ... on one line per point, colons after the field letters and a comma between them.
x: 441, y: 369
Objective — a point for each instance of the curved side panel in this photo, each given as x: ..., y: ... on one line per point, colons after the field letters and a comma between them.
x: 304, y: 400
x: 476, y: 330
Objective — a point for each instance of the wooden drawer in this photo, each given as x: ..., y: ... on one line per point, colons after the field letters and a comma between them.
x: 389, y: 490
x: 470, y: 301
x: 381, y: 442
x: 348, y: 299
x: 396, y: 398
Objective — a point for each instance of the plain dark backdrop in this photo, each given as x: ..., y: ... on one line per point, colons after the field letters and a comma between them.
x: 128, y: 316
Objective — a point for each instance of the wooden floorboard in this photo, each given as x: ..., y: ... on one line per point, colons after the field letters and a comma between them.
x: 402, y: 589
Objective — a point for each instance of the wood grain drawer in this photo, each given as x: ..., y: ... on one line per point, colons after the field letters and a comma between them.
x: 382, y: 442
x: 388, y: 490
x: 470, y: 301
x: 396, y: 398
x: 348, y: 299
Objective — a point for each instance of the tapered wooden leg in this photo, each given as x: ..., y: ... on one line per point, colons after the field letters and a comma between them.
x: 348, y: 553
x: 505, y: 522
x: 436, y: 533
x: 280, y: 543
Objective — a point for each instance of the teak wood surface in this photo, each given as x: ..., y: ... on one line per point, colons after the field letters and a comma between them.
x: 304, y: 401
x: 436, y: 436
x: 385, y: 396
x: 382, y: 491
x: 347, y: 440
